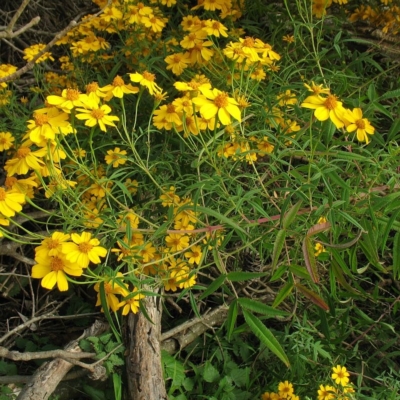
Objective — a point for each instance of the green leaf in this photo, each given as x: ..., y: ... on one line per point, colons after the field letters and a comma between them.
x: 260, y: 308
x: 390, y: 95
x: 314, y: 297
x: 210, y: 373
x: 334, y: 177
x: 239, y: 276
x: 278, y: 246
x: 396, y: 256
x: 388, y: 228
x: 282, y: 294
x: 266, y: 336
x: 93, y: 393
x: 173, y: 368
x: 231, y: 318
x: 289, y: 217
x: 337, y: 271
x: 220, y: 217
x: 309, y: 259
x: 318, y: 228
x: 213, y: 287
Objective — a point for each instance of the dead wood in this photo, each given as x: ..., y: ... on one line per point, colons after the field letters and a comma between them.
x: 45, y: 380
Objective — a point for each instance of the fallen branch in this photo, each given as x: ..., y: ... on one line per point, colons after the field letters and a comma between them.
x: 45, y: 380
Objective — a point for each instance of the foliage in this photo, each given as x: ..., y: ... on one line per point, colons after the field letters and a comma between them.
x: 228, y: 152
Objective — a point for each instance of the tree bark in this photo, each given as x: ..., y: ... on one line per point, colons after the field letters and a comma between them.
x: 143, y: 360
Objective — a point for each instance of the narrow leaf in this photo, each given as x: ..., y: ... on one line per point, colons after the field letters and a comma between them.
x: 337, y: 271
x: 231, y: 318
x: 316, y: 299
x: 260, y: 308
x: 266, y: 336
x: 396, y: 256
x: 213, y: 286
x: 278, y: 246
x: 291, y: 215
x: 309, y: 259
x: 240, y: 276
x: 342, y: 245
x: 282, y: 294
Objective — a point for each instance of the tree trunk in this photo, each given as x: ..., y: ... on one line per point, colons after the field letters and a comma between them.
x: 143, y: 360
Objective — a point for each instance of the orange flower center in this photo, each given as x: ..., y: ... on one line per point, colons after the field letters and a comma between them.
x: 221, y: 100
x: 57, y: 264
x: 85, y: 247
x: 72, y: 94
x: 10, y: 181
x: 170, y: 109
x: 91, y: 87
x: 360, y: 124
x: 52, y: 244
x: 3, y: 194
x: 118, y: 81
x: 41, y: 119
x: 331, y: 102
x: 148, y: 76
x: 248, y: 42
x: 23, y: 152
x: 215, y: 25
x: 108, y: 288
x: 97, y: 114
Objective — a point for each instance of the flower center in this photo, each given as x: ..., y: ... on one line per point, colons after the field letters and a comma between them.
x: 23, y: 152
x: 170, y: 109
x: 57, y: 264
x: 85, y: 247
x: 52, y: 244
x: 331, y: 102
x: 3, y: 194
x: 148, y: 76
x: 118, y: 81
x: 41, y: 119
x: 108, y: 288
x: 91, y: 87
x: 72, y: 94
x: 10, y: 181
x: 221, y: 100
x: 97, y: 113
x: 248, y: 42
x: 360, y: 124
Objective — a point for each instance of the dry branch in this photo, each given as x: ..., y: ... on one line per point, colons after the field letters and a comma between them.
x: 48, y: 376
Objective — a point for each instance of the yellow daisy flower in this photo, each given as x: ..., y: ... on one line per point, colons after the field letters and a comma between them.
x: 83, y: 250
x: 115, y: 157
x: 10, y: 202
x: 97, y: 116
x: 53, y: 270
x: 357, y: 123
x: 147, y: 80
x: 340, y: 375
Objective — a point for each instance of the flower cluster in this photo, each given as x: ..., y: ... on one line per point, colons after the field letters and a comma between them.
x: 341, y: 389
x: 285, y: 391
x: 328, y: 106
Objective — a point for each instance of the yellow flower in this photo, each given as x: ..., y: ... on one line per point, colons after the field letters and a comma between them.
x: 182, y: 276
x: 147, y: 80
x: 326, y: 392
x: 155, y: 23
x: 69, y: 99
x: 215, y: 102
x: 53, y: 270
x: 287, y: 98
x: 10, y: 202
x: 83, y: 250
x: 194, y: 255
x: 52, y: 246
x: 116, y: 157
x: 319, y: 7
x: 169, y: 198
x: 177, y: 242
x: 340, y: 375
x: 264, y: 146
x: 6, y: 140
x: 288, y: 38
x: 32, y: 51
x: 285, y: 389
x: 112, y: 287
x: 97, y: 116
x: 177, y: 62
x: 131, y: 301
x: 24, y: 160
x: 325, y: 108
x: 117, y: 89
x: 317, y: 89
x: 215, y: 28
x: 355, y: 122
x: 48, y: 122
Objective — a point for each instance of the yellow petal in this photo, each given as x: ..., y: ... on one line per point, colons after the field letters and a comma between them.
x: 49, y: 281
x: 62, y: 282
